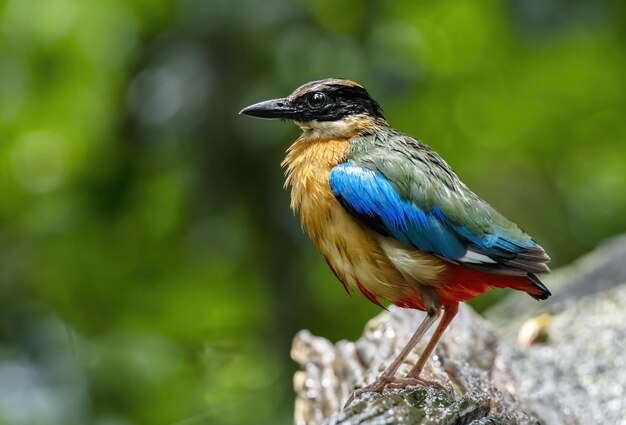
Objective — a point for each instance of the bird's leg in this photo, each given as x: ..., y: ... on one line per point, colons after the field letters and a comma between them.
x: 387, y: 376
x: 449, y: 311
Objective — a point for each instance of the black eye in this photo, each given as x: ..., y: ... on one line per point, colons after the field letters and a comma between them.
x: 317, y: 99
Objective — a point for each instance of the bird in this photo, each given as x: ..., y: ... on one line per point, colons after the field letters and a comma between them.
x: 392, y: 219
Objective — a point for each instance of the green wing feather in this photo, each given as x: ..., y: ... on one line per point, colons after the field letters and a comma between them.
x: 419, y: 175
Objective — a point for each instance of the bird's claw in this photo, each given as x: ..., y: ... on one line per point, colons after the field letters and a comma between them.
x: 375, y: 387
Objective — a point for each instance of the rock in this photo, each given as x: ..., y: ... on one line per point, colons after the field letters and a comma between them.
x: 462, y: 363
x: 596, y: 272
x: 561, y: 362
x: 578, y: 376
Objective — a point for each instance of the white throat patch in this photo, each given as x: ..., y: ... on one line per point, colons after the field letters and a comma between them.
x: 346, y: 127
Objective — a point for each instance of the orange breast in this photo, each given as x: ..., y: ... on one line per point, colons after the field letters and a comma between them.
x: 308, y: 164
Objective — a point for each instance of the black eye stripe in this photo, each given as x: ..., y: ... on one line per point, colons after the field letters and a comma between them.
x: 334, y: 102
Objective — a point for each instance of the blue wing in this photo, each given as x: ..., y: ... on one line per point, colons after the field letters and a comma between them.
x: 373, y: 199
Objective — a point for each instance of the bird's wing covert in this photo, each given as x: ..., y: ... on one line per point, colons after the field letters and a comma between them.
x: 405, y: 190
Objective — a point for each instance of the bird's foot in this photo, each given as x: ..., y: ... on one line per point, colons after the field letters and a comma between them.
x: 375, y: 387
x: 391, y: 383
x: 410, y: 381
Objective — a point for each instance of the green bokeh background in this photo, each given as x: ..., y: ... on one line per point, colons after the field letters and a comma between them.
x: 150, y: 269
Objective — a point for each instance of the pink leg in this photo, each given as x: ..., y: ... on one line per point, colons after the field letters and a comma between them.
x: 449, y: 311
x: 387, y: 376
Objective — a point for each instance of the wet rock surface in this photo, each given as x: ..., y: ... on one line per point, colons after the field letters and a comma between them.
x: 561, y: 363
x: 462, y: 364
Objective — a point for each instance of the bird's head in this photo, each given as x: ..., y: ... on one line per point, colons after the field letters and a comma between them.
x: 325, y: 108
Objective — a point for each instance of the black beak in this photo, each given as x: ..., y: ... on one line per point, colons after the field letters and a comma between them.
x: 275, y: 108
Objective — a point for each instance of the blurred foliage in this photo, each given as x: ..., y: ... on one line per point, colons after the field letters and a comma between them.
x: 150, y: 270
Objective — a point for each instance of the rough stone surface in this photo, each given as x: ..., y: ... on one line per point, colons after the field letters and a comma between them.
x: 462, y: 363
x: 578, y: 376
x: 561, y: 362
x: 596, y: 272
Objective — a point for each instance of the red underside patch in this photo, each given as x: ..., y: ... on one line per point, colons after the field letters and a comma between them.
x: 462, y: 284
x: 368, y: 294
x: 332, y: 269
x: 415, y: 303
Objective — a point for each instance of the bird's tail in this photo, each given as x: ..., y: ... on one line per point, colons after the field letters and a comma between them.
x: 463, y: 284
x: 528, y: 283
x: 541, y: 292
